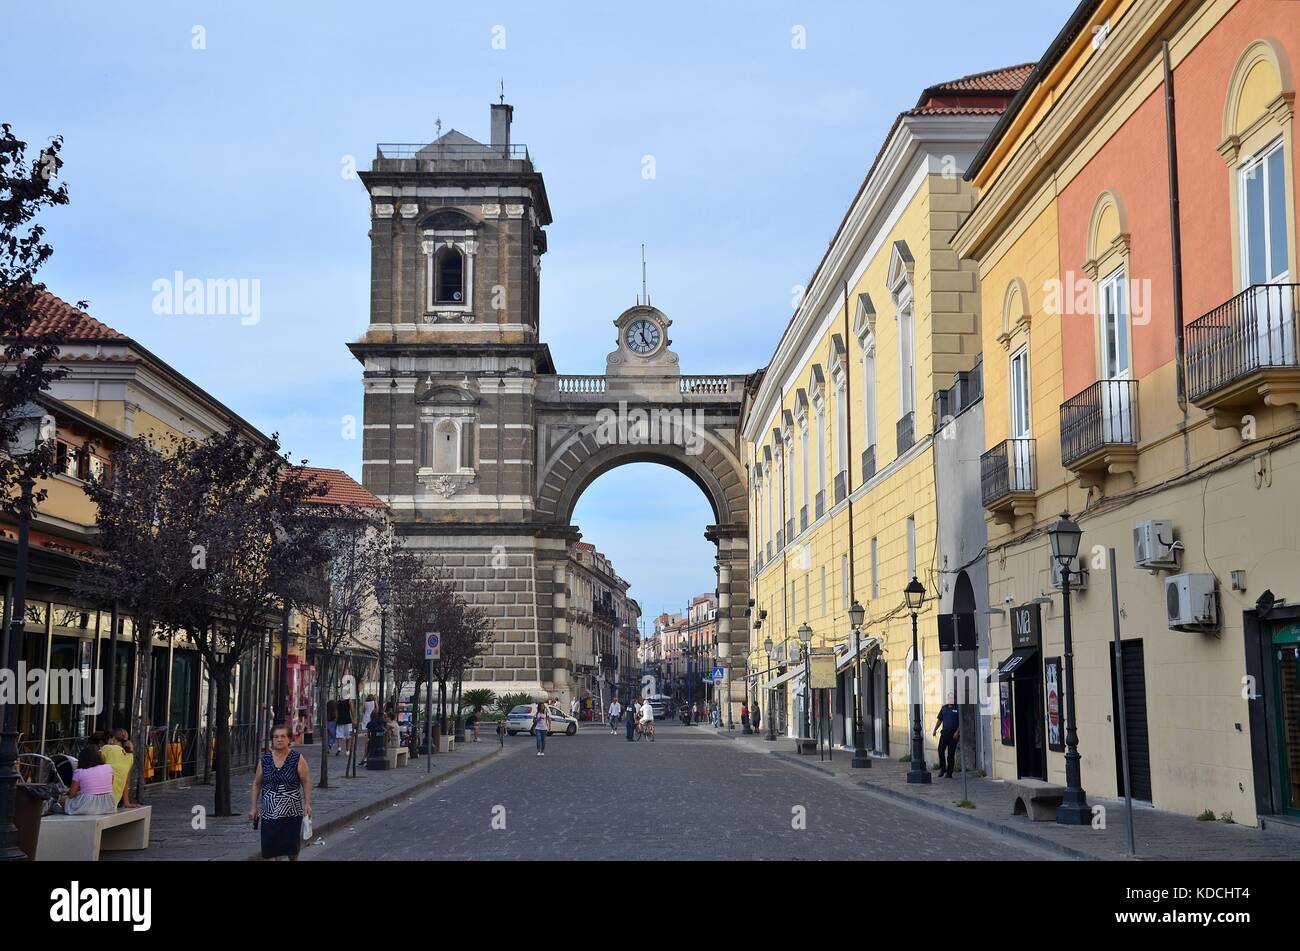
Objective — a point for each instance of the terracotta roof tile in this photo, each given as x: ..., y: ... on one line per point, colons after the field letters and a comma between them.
x: 1007, y: 79
x: 341, y: 488
x: 55, y: 315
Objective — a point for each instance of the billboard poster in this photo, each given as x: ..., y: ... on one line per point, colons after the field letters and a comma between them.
x: 1008, y: 730
x: 1055, y: 722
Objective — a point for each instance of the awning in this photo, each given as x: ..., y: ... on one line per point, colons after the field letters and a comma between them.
x: 866, y: 645
x: 788, y: 675
x: 1015, y: 661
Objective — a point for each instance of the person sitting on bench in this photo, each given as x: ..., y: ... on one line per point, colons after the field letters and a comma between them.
x: 91, y: 790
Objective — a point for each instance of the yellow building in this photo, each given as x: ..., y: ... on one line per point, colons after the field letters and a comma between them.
x: 840, y: 431
x: 1136, y: 243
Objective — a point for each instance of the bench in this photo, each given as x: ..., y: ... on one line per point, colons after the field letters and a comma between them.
x: 397, y: 756
x: 80, y: 838
x: 805, y: 744
x: 1037, y: 799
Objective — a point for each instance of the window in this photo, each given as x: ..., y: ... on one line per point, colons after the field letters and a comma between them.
x: 446, y: 446
x: 841, y: 429
x: 821, y: 448
x: 1114, y: 327
x: 449, y: 276
x: 1263, y: 220
x: 789, y: 478
x: 875, y: 570
x: 1020, y: 394
x: 911, y: 546
x: 869, y: 389
x: 803, y: 457
x: 906, y: 361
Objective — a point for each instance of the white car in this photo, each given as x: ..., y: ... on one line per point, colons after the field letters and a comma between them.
x: 520, y: 720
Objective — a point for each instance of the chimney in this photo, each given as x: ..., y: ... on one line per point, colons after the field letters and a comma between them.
x: 501, y: 115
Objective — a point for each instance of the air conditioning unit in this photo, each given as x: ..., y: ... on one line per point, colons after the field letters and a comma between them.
x: 1078, y: 575
x: 1191, y: 602
x: 1153, y: 544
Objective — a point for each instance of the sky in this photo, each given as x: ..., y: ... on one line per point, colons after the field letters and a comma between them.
x: 219, y: 140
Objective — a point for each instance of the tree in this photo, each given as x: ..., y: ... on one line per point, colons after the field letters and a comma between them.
x: 143, y: 557
x: 359, y: 546
x: 419, y: 590
x: 249, y: 519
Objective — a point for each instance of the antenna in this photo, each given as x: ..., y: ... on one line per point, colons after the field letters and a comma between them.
x: 503, y: 91
x: 644, y: 292
x: 438, y: 126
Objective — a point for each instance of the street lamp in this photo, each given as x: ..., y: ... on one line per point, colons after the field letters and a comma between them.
x: 686, y: 649
x: 771, y: 694
x: 1074, y: 810
x: 857, y: 614
x: 805, y: 635
x: 30, y: 435
x: 915, y: 595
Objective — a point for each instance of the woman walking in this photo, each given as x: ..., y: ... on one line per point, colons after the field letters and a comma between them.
x: 541, y: 725
x: 281, y: 797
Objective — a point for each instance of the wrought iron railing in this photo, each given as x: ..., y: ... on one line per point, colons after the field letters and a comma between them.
x: 457, y: 151
x: 906, y: 432
x: 868, y: 463
x: 1253, y: 331
x: 841, y: 485
x: 803, y: 517
x: 819, y: 505
x: 581, y: 384
x: 1105, y: 414
x: 789, y: 529
x: 1006, y: 468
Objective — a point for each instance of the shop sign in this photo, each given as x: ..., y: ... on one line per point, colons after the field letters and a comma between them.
x: 1026, y: 626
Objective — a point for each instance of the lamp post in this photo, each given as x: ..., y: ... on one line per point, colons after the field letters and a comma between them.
x: 376, y: 757
x: 915, y: 595
x: 1065, y: 534
x: 805, y: 636
x: 858, y: 614
x: 31, y: 435
x: 771, y: 694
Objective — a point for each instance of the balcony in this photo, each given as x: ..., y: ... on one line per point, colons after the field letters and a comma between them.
x: 1244, y: 353
x: 868, y: 463
x: 906, y: 432
x: 1099, y: 431
x: 841, y: 485
x: 1008, y: 480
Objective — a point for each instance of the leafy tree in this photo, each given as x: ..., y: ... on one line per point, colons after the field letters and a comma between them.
x: 419, y: 591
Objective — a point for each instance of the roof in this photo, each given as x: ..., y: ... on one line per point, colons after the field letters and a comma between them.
x: 55, y: 315
x: 997, y: 81
x: 341, y: 488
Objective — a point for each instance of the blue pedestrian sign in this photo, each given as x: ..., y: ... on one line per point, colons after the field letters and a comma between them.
x: 719, y: 675
x: 432, y: 646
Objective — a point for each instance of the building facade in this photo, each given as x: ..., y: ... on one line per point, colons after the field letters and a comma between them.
x: 1136, y: 244
x: 840, y: 434
x: 599, y: 613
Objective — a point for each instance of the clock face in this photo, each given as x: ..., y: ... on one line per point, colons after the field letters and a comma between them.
x: 642, y: 336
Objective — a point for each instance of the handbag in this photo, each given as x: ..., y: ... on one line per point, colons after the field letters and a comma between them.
x: 306, y: 828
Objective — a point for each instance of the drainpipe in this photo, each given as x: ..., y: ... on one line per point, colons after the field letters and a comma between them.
x: 1175, y: 245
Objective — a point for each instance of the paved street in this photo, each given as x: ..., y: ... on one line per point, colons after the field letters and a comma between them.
x: 690, y: 794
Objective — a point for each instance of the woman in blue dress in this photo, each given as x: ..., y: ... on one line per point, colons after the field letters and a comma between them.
x: 281, y: 797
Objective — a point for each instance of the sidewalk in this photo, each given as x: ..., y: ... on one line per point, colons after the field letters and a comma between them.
x: 1158, y: 834
x: 346, y: 801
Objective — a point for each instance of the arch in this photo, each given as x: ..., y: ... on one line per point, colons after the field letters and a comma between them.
x: 963, y: 595
x: 1015, y: 308
x: 1107, y: 225
x: 1261, y: 76
x: 449, y: 219
x: 448, y: 275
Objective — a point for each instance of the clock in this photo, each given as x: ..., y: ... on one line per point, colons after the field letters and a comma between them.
x: 642, y: 336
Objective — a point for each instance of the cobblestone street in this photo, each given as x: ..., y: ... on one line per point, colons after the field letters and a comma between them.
x: 688, y: 795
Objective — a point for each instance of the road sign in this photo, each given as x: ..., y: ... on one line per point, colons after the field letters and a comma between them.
x: 432, y: 646
x: 719, y: 675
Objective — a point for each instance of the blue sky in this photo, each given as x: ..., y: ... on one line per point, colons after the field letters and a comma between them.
x: 229, y: 161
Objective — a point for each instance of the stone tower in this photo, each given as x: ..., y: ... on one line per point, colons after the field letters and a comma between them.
x: 477, y: 445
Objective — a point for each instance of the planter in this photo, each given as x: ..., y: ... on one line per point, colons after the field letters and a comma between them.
x: 446, y: 744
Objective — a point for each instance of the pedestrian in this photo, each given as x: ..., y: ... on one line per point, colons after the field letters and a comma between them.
x: 744, y: 716
x: 573, y: 708
x: 368, y: 711
x: 630, y: 717
x: 281, y: 797
x: 300, y: 726
x: 331, y: 724
x: 615, y: 711
x: 343, y: 728
x: 91, y: 791
x: 392, y: 732
x: 948, y: 725
x: 541, y: 726
x: 471, y: 724
x: 758, y: 715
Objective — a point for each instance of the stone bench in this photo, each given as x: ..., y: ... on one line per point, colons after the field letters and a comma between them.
x: 80, y: 838
x: 1035, y: 798
x: 397, y: 756
x: 805, y: 744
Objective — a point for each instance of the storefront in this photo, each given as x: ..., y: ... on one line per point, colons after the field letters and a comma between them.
x: 1272, y: 637
x: 1020, y: 695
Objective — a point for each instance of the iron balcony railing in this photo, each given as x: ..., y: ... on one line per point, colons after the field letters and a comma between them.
x: 1105, y: 414
x: 1006, y: 468
x: 819, y: 505
x: 841, y: 485
x: 789, y: 529
x: 868, y: 463
x: 1256, y: 330
x: 906, y: 432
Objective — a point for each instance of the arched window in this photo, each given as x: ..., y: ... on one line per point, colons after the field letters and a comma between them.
x: 448, y: 276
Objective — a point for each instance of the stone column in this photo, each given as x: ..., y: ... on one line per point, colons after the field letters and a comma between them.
x: 560, y: 643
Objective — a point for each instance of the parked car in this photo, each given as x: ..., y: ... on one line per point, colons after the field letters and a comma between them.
x: 520, y: 720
